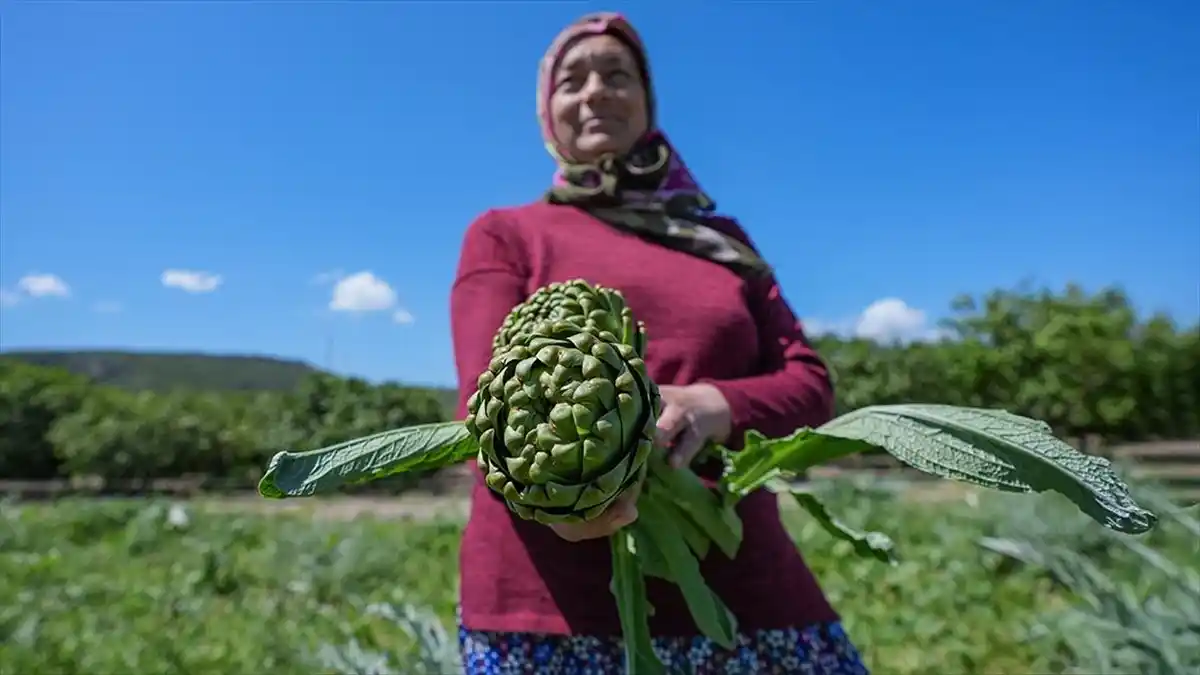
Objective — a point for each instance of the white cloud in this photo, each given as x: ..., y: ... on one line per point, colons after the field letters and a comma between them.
x: 885, y: 320
x: 107, y: 307
x: 191, y: 281
x: 890, y: 319
x: 362, y: 292
x: 43, y: 286
x: 34, y: 286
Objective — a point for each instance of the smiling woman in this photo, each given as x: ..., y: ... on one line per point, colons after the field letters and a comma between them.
x: 726, y: 350
x: 599, y: 103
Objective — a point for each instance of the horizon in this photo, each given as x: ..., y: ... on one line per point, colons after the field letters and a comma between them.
x: 284, y: 180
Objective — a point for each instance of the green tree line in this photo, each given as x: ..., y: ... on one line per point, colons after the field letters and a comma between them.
x: 1084, y: 362
x: 57, y: 424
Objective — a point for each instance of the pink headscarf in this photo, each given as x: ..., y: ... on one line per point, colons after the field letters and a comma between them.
x: 678, y: 178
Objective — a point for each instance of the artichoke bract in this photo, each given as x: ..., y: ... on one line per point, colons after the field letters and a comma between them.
x: 565, y: 415
x: 576, y: 301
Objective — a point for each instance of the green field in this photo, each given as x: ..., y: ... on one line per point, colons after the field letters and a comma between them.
x: 137, y: 586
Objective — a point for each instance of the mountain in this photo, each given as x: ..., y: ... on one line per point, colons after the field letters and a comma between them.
x: 165, y: 371
x: 161, y: 371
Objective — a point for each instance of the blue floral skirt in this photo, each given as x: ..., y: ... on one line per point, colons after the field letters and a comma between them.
x: 822, y: 649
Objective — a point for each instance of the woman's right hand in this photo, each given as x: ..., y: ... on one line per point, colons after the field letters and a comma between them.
x: 620, y: 513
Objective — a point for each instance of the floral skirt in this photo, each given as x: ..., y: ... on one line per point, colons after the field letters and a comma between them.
x: 822, y: 649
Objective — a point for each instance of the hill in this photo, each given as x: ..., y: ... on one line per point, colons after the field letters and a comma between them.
x: 164, y: 371
x: 167, y: 371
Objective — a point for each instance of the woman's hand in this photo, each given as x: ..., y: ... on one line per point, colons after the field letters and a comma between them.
x: 692, y: 416
x: 620, y: 513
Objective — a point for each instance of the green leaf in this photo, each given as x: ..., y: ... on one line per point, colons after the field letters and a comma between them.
x: 655, y: 529
x: 703, y: 507
x: 866, y: 544
x: 699, y: 542
x: 762, y: 459
x: 629, y: 588
x: 417, y: 448
x: 998, y: 450
x: 649, y: 557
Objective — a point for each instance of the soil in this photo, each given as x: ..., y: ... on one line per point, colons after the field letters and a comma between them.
x: 406, y: 507
x: 421, y: 506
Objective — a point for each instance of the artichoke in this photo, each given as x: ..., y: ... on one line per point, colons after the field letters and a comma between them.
x: 565, y: 414
x: 576, y: 301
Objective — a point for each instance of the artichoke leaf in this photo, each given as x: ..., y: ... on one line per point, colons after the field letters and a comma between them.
x: 866, y: 544
x: 628, y: 586
x: 712, y: 617
x: 763, y: 459
x: 701, y: 505
x: 998, y: 450
x: 989, y: 448
x: 697, y: 541
x: 695, y: 536
x: 649, y: 556
x: 417, y: 448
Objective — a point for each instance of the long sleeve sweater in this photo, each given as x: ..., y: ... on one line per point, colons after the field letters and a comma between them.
x: 705, y: 324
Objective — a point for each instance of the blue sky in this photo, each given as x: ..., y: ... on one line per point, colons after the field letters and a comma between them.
x: 257, y: 153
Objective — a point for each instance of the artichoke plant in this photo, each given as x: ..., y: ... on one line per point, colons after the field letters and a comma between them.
x: 562, y: 424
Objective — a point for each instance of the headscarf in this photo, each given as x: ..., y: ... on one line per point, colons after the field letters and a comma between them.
x: 649, y: 192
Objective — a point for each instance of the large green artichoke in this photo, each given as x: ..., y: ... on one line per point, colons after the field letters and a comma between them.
x: 565, y: 414
x: 576, y: 301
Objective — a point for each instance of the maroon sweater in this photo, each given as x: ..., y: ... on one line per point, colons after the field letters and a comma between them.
x: 704, y: 324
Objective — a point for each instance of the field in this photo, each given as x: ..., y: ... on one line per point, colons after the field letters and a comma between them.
x: 140, y: 586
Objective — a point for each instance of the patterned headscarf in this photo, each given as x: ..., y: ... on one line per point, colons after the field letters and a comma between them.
x: 650, y: 191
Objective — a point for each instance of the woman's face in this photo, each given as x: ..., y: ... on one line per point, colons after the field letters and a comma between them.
x: 599, y: 102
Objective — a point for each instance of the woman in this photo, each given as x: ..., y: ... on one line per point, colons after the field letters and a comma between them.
x: 624, y: 212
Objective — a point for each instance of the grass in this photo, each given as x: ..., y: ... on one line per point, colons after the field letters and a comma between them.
x: 97, y: 588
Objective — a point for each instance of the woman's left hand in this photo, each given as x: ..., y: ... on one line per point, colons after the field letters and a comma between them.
x: 691, y: 416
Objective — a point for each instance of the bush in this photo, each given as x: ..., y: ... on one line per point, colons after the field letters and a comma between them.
x: 1082, y: 362
x: 53, y: 425
x: 32, y: 399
